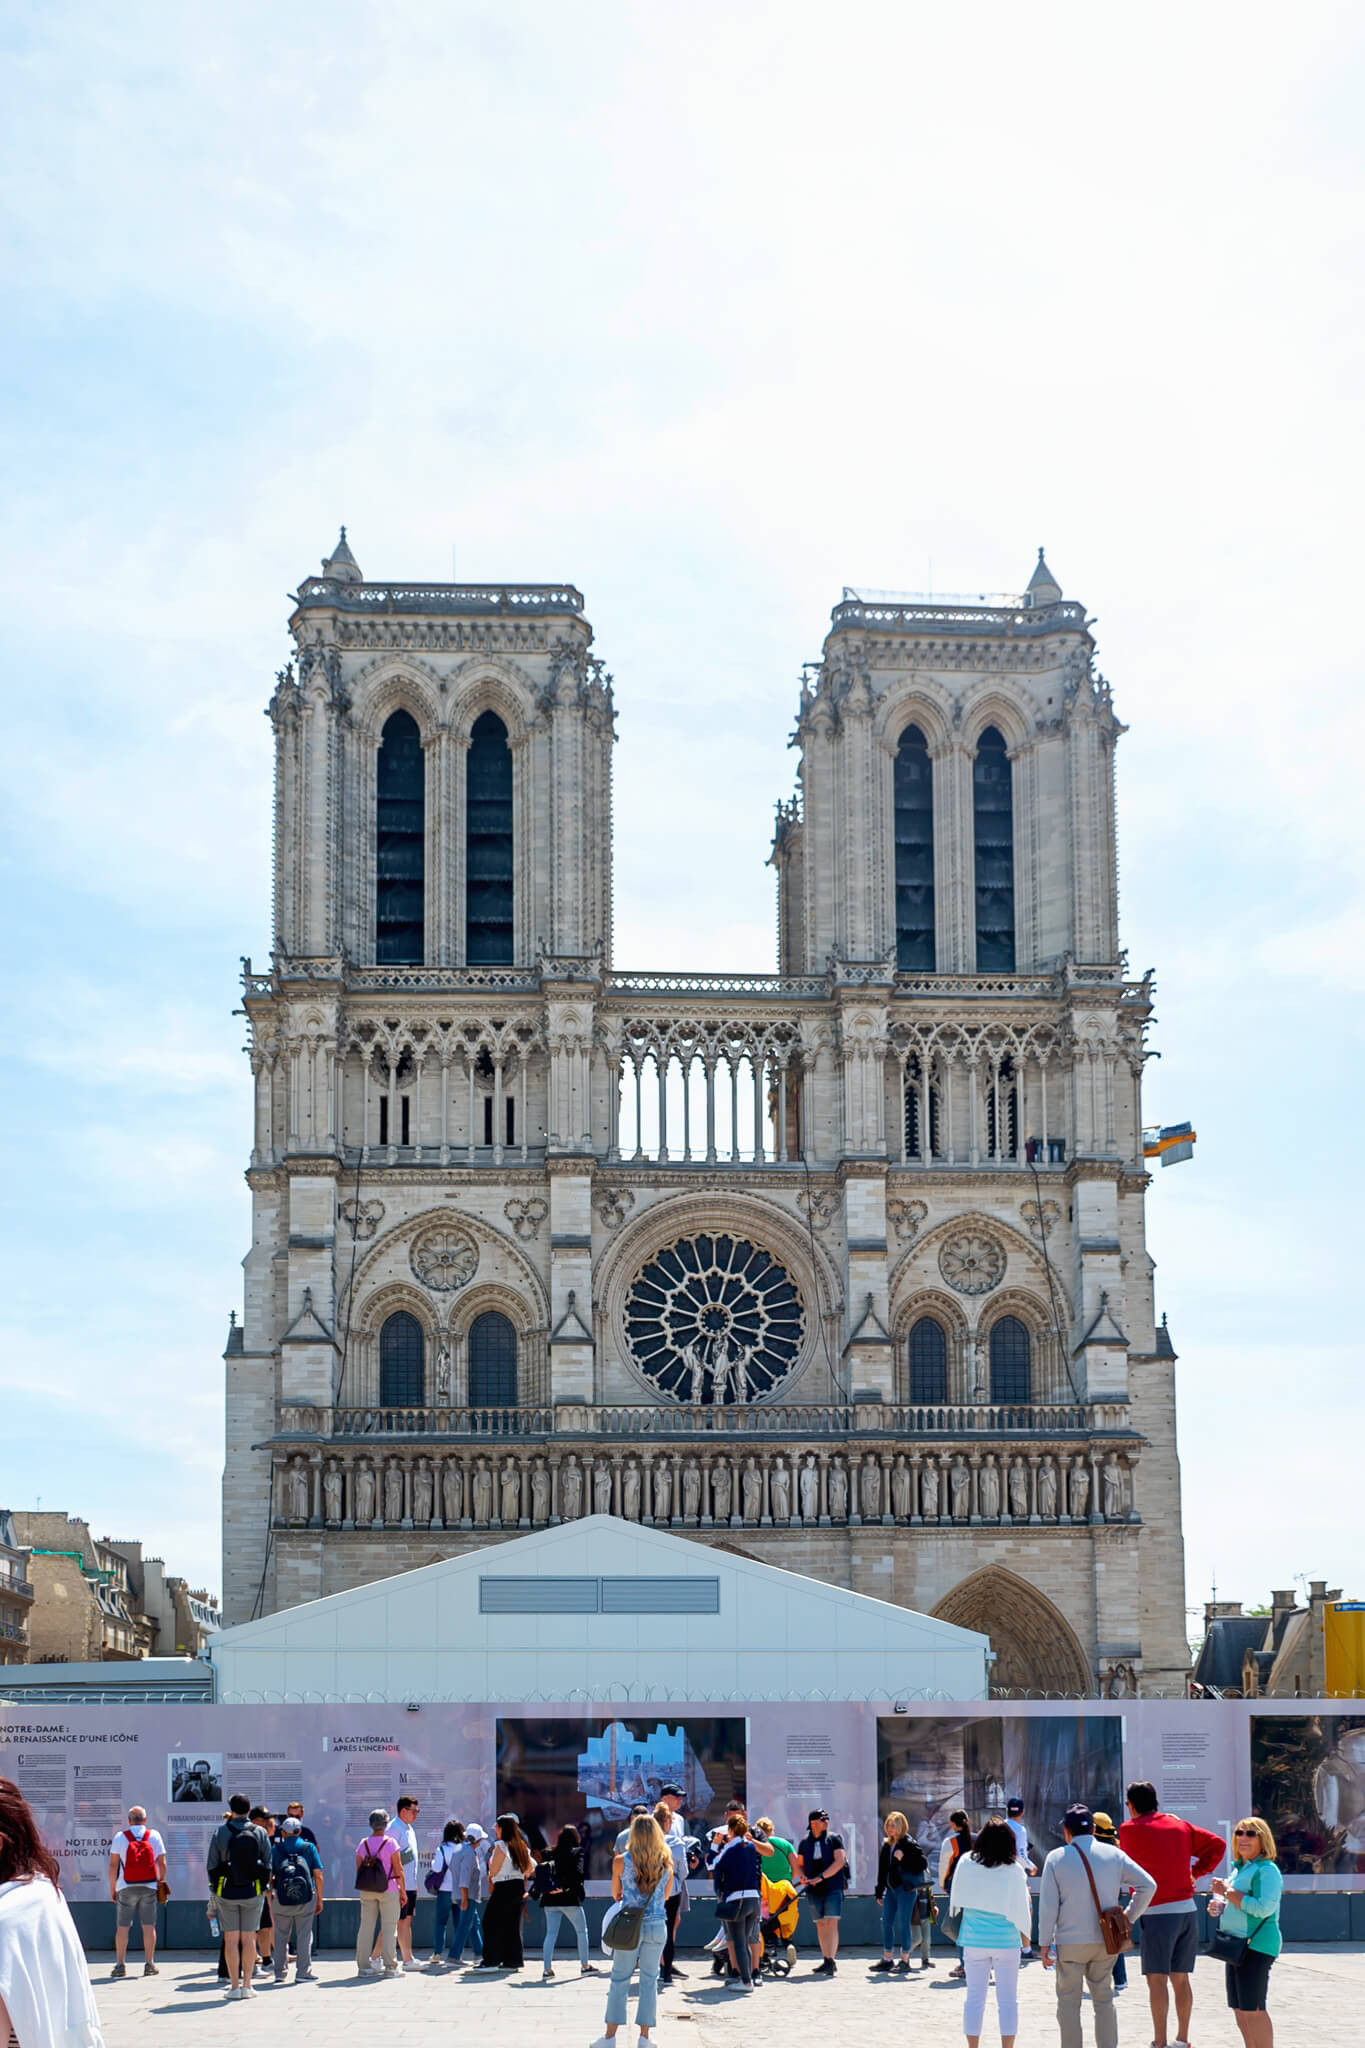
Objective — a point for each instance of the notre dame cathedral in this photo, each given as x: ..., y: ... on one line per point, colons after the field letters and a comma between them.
x: 842, y: 1265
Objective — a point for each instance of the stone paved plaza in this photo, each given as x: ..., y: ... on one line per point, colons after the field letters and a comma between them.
x: 1316, y: 1998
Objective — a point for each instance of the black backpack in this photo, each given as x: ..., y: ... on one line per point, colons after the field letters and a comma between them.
x: 293, y: 1879
x: 248, y: 1863
x: 544, y: 1880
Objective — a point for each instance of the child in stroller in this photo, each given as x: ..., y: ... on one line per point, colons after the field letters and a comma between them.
x: 777, y: 1926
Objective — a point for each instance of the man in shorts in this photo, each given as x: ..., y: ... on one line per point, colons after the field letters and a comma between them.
x: 239, y: 1865
x: 822, y: 1866
x: 403, y: 1834
x: 1176, y: 1852
x: 137, y: 1868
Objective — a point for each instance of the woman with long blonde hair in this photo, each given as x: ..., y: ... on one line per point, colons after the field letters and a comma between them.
x: 901, y: 1870
x: 641, y: 1875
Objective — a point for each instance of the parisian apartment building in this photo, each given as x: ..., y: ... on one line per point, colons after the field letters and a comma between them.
x: 75, y: 1598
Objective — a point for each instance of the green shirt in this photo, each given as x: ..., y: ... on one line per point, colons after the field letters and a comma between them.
x: 779, y: 1865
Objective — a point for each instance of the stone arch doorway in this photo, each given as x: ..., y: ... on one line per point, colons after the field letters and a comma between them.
x: 1036, y: 1650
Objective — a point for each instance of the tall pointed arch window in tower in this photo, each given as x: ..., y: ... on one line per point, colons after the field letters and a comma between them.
x: 492, y: 1362
x: 993, y: 814
x: 913, y: 790
x: 488, y: 845
x: 399, y: 916
x: 402, y: 1362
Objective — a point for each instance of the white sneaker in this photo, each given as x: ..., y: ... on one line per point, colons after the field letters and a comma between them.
x: 603, y: 2041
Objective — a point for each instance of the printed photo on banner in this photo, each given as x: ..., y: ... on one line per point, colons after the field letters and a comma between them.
x: 195, y: 1778
x: 926, y: 1768
x: 1308, y: 1781
x: 591, y: 1772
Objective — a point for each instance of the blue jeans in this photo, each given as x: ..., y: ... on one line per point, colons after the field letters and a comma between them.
x: 623, y: 1963
x: 896, y: 1910
x: 574, y: 1916
x: 447, y: 1918
x: 466, y: 1928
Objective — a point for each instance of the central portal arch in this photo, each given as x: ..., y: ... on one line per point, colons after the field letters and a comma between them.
x: 1036, y: 1650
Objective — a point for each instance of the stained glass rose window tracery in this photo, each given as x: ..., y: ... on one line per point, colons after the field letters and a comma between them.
x: 714, y: 1319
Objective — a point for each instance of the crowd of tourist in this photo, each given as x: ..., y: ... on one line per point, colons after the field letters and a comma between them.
x: 1104, y: 1891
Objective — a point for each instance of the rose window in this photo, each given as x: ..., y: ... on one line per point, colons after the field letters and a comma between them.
x: 972, y: 1262
x: 714, y: 1320
x: 445, y: 1259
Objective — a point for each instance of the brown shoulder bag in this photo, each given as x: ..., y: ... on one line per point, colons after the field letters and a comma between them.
x: 1116, y: 1929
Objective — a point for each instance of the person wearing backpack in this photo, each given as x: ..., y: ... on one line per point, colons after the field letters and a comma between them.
x: 137, y: 1871
x: 379, y: 1881
x: 239, y: 1871
x: 296, y: 1881
x: 558, y: 1883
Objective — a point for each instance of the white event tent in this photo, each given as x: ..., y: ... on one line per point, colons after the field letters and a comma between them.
x: 599, y: 1609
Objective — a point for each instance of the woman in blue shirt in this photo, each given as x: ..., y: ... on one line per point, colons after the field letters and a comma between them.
x: 1251, y: 1908
x: 641, y: 1875
x: 990, y: 1891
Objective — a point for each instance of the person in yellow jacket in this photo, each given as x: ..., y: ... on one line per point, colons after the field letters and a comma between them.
x: 781, y: 1905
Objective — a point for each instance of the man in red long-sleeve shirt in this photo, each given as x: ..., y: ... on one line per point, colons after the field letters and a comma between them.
x: 1175, y: 1852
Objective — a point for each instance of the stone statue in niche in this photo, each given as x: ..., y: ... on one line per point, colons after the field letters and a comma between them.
x: 331, y: 1491
x: 540, y: 1493
x: 838, y: 1491
x: 422, y: 1493
x: 1019, y: 1491
x: 452, y: 1492
x: 571, y: 1491
x: 630, y: 1491
x: 483, y: 1493
x: 1080, y: 1492
x: 298, y: 1492
x: 364, y: 1494
x: 810, y: 1490
x: 663, y: 1491
x: 870, y: 1490
x: 960, y: 1481
x: 1114, y: 1509
x: 752, y: 1488
x: 988, y: 1491
x: 691, y: 1491
x: 722, y: 1487
x: 393, y: 1493
x: 780, y: 1488
x: 601, y: 1488
x: 900, y: 1489
x: 443, y: 1373
x: 928, y: 1492
x: 1047, y: 1490
x: 509, y: 1489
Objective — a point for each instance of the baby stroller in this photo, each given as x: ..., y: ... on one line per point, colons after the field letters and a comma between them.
x: 777, y: 1927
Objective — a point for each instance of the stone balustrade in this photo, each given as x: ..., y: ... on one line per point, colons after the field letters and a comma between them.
x: 787, y: 1421
x: 344, y: 1485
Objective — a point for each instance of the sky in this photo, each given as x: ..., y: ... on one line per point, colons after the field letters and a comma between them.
x: 712, y: 310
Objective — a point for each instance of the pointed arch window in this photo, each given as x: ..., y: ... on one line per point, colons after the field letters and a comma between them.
x: 492, y: 1362
x: 488, y: 845
x: 402, y: 1362
x: 993, y: 829
x: 915, y: 1093
x: 913, y: 788
x: 1011, y: 1363
x: 400, y: 915
x: 928, y: 1361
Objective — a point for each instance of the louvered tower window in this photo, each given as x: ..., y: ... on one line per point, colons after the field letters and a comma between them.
x: 914, y: 1128
x: 492, y: 1362
x: 993, y: 815
x: 399, y: 936
x: 1011, y: 1379
x: 914, y: 816
x: 1002, y: 1142
x: 928, y: 1361
x: 402, y: 1362
x: 488, y: 845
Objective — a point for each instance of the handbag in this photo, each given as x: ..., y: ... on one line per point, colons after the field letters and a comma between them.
x: 623, y: 1929
x: 728, y: 1909
x: 1116, y: 1929
x: 951, y: 1924
x: 163, y: 1891
x: 1225, y: 1948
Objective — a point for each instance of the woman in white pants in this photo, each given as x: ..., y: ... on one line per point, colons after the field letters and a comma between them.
x: 990, y: 1891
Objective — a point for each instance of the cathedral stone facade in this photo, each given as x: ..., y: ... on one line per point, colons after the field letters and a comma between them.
x: 843, y: 1266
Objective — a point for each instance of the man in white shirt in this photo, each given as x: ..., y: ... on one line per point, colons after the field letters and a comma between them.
x: 403, y: 1835
x: 675, y: 1834
x: 137, y: 1867
x: 1014, y: 1811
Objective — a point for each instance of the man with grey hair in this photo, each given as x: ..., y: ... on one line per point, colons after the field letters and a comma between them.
x: 296, y: 1882
x: 137, y: 1871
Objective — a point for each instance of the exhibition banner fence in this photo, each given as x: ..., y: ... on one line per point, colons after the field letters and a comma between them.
x: 1212, y: 1761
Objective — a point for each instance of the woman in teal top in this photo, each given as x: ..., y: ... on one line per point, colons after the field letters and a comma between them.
x: 1251, y: 1908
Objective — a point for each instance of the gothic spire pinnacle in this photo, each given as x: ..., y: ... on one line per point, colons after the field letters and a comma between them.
x: 1043, y: 587
x: 341, y: 565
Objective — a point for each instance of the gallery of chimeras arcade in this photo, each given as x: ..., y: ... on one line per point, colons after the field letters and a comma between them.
x: 843, y: 1266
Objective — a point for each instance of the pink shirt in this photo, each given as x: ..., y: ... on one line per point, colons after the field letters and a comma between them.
x: 382, y: 1847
